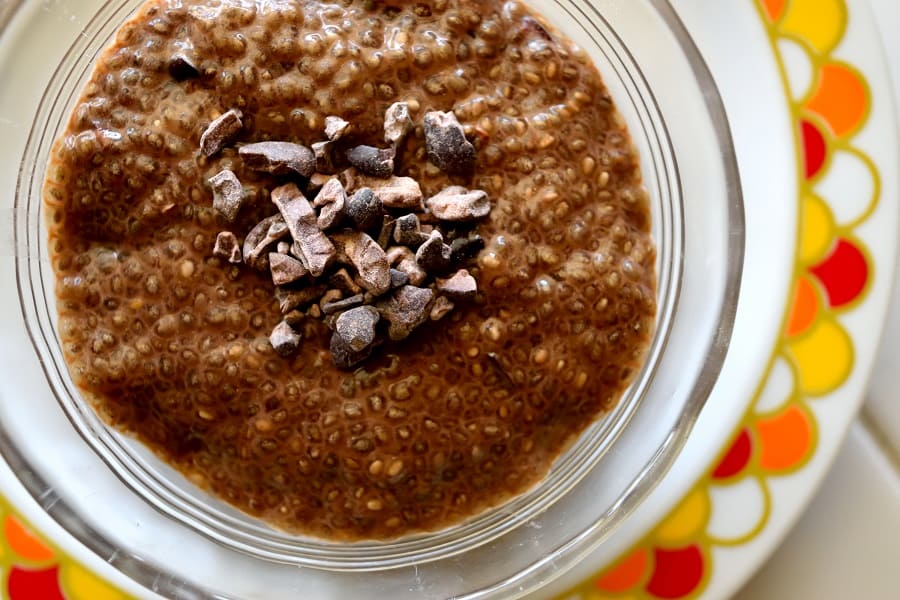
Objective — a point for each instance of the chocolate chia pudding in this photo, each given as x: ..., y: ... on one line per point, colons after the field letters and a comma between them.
x: 230, y: 303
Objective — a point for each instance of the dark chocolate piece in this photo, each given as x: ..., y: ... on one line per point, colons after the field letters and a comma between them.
x: 227, y: 247
x: 264, y: 234
x: 407, y: 232
x: 324, y: 153
x: 395, y: 192
x: 221, y: 132
x: 333, y: 202
x: 407, y: 308
x: 279, y: 158
x: 372, y: 161
x: 311, y: 246
x: 284, y: 339
x: 228, y: 194
x: 356, y: 327
x: 464, y: 249
x: 285, y: 269
x: 446, y: 144
x: 368, y: 258
x: 342, y: 355
x: 456, y: 203
x: 335, y: 128
x: 433, y: 255
x: 397, y: 123
x: 365, y: 210
x: 459, y: 286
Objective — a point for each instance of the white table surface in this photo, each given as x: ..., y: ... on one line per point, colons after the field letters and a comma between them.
x: 847, y: 543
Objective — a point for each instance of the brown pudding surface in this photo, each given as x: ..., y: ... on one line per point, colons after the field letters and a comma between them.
x: 170, y: 343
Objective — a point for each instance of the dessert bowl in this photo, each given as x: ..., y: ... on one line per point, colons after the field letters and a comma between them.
x: 127, y: 506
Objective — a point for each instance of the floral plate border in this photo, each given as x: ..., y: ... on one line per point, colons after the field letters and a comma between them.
x: 777, y: 435
x: 814, y: 354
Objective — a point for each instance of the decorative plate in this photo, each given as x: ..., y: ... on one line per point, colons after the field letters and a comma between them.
x: 811, y: 111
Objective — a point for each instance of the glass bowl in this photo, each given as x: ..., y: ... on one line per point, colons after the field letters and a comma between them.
x: 149, y: 522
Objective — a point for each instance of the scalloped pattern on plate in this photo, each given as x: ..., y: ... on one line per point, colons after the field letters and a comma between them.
x: 34, y: 568
x: 829, y: 102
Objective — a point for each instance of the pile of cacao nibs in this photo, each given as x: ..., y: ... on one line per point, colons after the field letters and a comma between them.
x: 363, y: 251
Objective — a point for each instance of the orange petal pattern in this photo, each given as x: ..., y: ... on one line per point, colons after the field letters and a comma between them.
x: 627, y: 574
x: 786, y: 439
x: 774, y: 9
x: 804, y: 307
x: 840, y: 98
x: 24, y: 543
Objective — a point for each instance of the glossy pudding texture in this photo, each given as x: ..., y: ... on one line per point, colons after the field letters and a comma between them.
x: 171, y: 343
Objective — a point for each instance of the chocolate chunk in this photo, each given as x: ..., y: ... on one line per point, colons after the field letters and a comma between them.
x: 395, y: 192
x: 407, y: 308
x: 447, y: 145
x: 182, y: 68
x: 279, y: 158
x: 227, y: 247
x: 289, y: 299
x: 407, y: 232
x: 283, y: 248
x: 413, y: 271
x: 333, y: 200
x: 456, y: 203
x: 434, y: 255
x: 332, y: 191
x: 398, y: 278
x: 228, y: 194
x: 369, y: 259
x: 372, y: 161
x: 335, y: 128
x: 336, y: 306
x: 324, y: 153
x: 221, y: 132
x: 397, y: 123
x: 284, y: 339
x: 342, y: 280
x: 285, y: 269
x: 365, y: 210
x: 311, y: 246
x: 464, y: 249
x: 460, y: 286
x: 441, y: 308
x: 264, y: 234
x: 399, y: 192
x: 342, y: 355
x: 357, y: 327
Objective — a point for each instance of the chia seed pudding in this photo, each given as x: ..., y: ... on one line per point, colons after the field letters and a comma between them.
x: 227, y: 368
